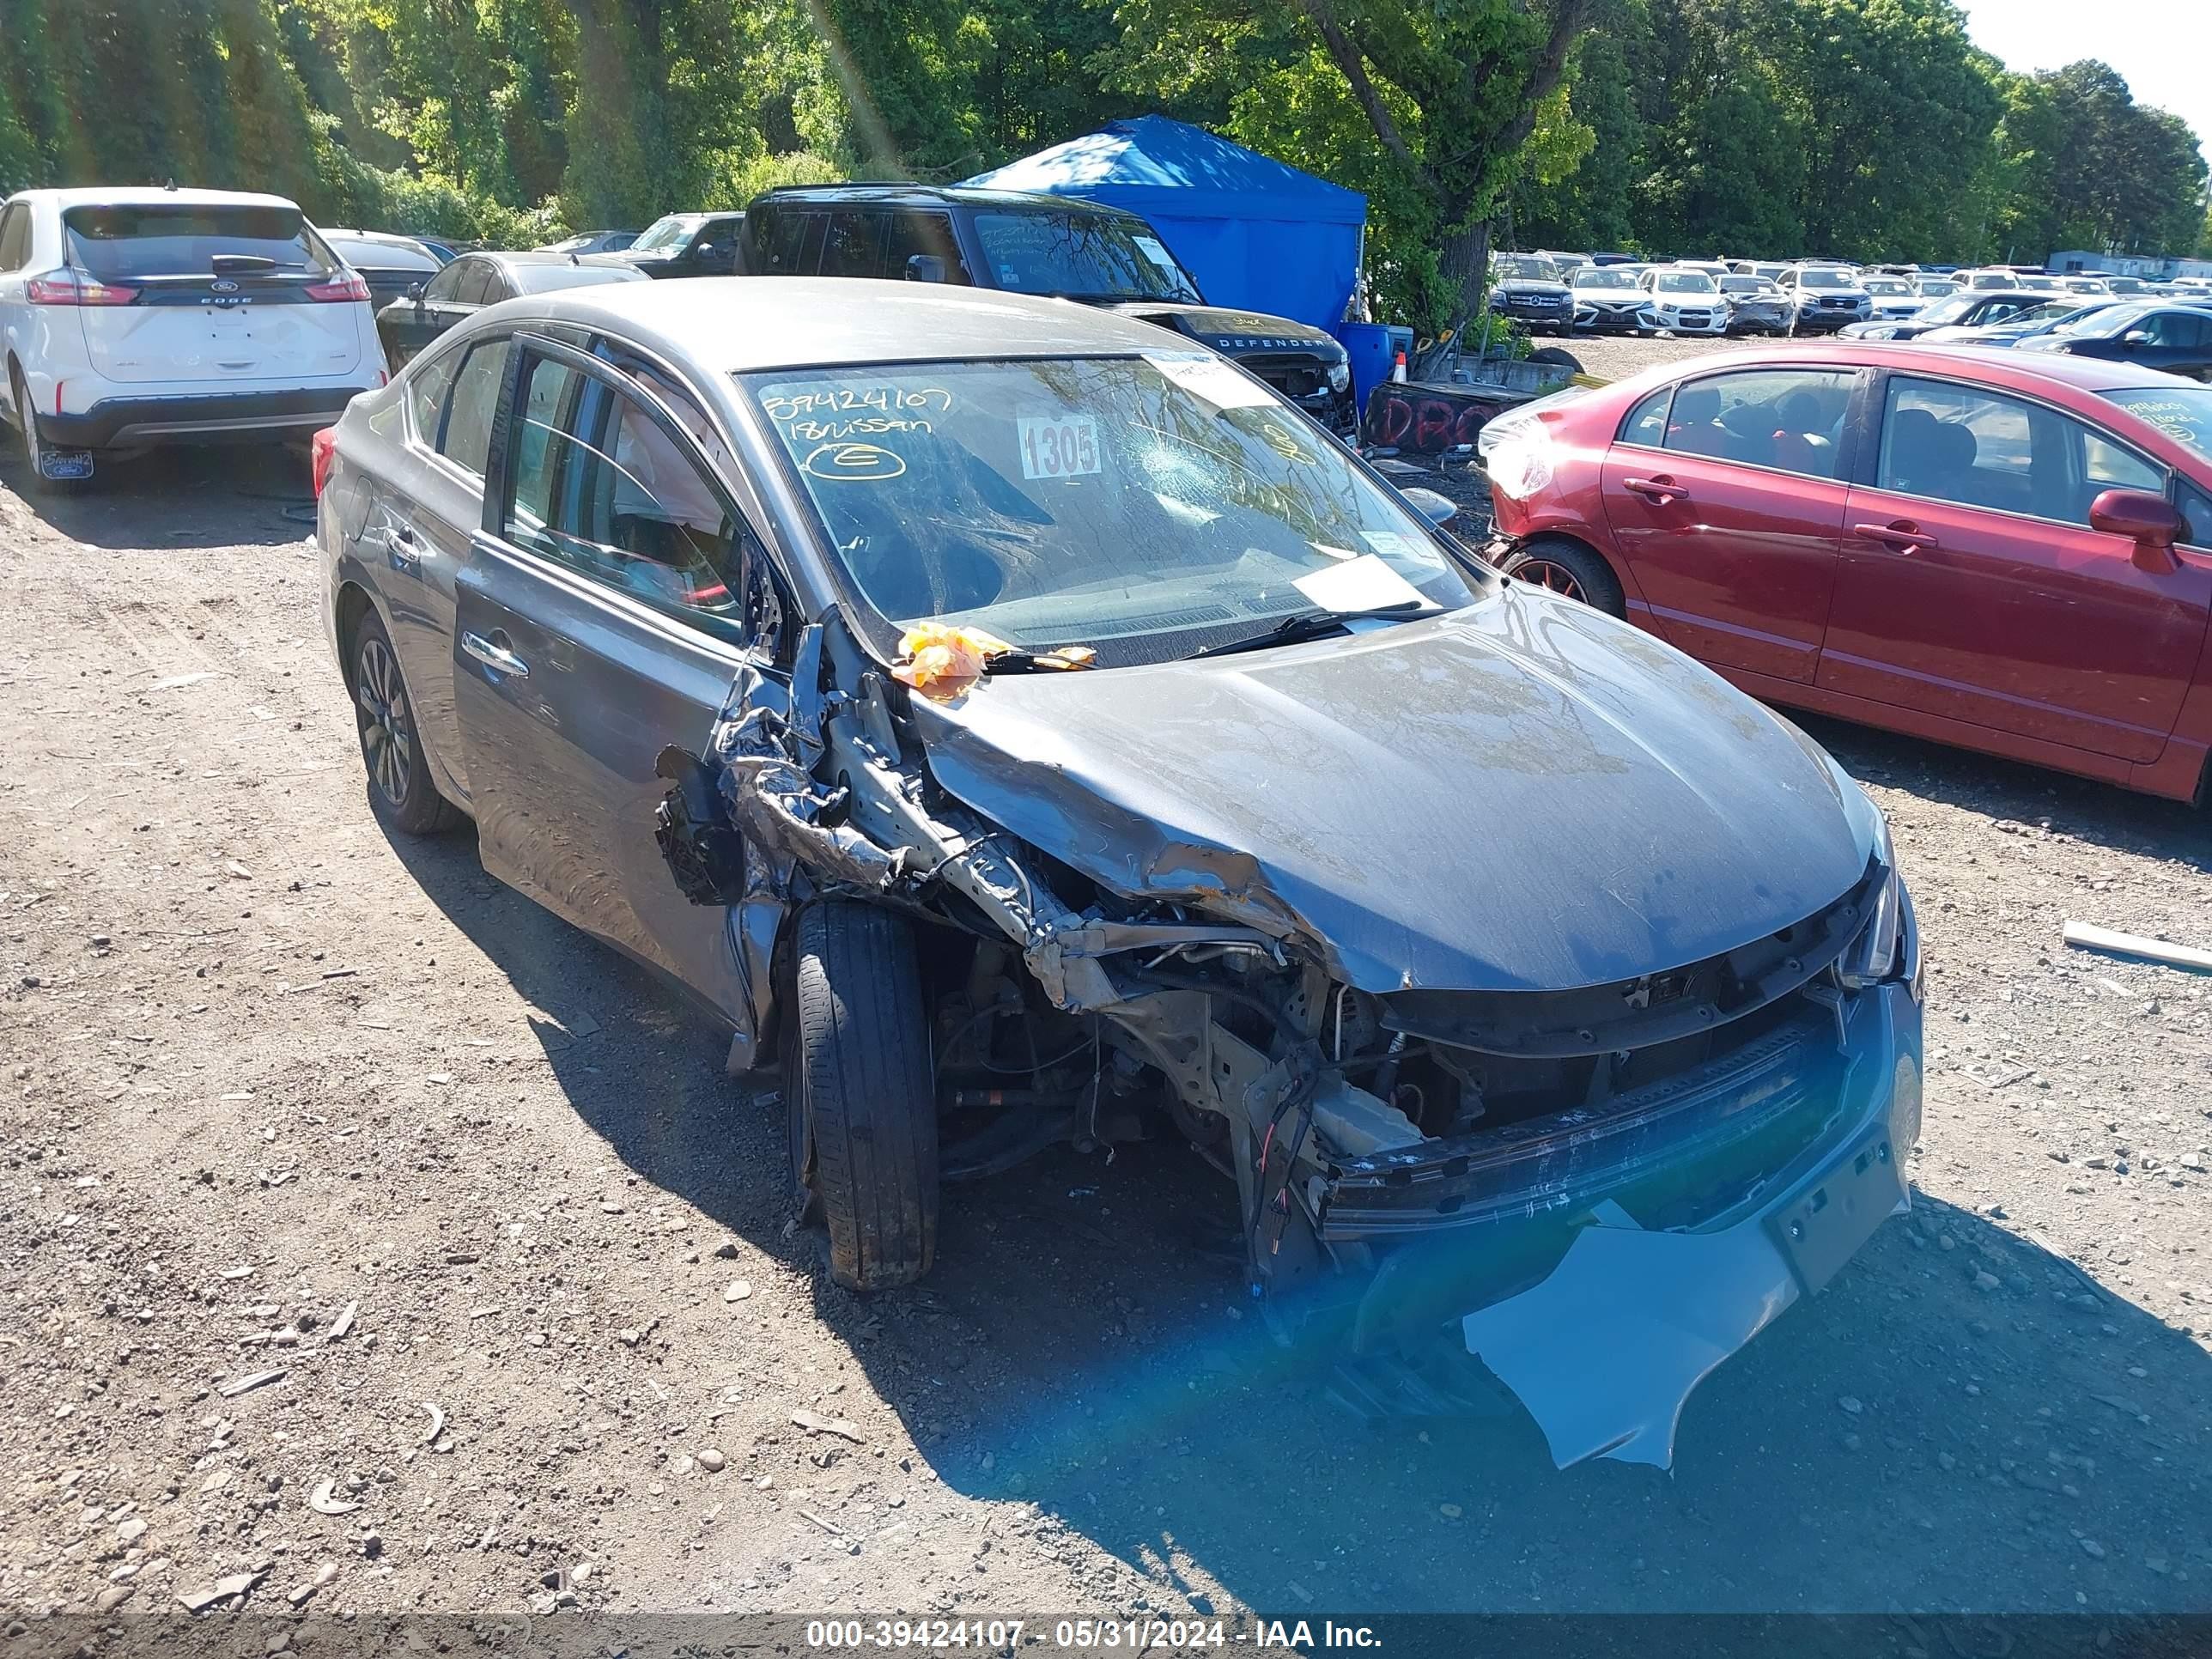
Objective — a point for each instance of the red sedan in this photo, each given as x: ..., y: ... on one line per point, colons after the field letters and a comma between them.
x: 2008, y: 553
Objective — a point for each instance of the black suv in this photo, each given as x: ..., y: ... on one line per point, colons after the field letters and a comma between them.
x: 1032, y: 244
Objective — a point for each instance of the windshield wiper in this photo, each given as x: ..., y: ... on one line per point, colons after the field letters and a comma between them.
x: 1308, y: 625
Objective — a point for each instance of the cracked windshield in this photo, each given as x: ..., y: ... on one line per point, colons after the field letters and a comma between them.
x: 1146, y: 507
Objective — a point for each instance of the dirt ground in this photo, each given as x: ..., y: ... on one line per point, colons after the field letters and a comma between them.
x: 365, y: 1227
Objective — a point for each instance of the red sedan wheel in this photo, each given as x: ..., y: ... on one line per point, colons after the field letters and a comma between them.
x: 1555, y: 577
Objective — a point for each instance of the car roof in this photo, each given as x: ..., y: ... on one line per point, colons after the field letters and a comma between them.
x: 732, y: 324
x: 1997, y: 365
x: 901, y: 194
x: 155, y: 196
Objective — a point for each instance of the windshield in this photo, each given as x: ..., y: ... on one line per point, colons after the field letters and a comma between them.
x: 1147, y: 507
x: 1886, y: 285
x: 2107, y: 321
x: 183, y: 241
x: 667, y: 231
x: 2183, y: 413
x: 1747, y: 285
x: 1602, y: 279
x: 1951, y: 310
x: 1082, y: 256
x: 1822, y: 279
x: 1936, y: 291
x: 2069, y: 318
x: 1683, y: 282
x: 1522, y: 270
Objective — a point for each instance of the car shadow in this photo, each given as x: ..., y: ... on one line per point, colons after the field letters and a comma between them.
x: 1962, y: 1420
x: 193, y: 493
x: 2099, y: 813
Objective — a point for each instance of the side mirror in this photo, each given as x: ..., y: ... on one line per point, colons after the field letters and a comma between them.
x: 706, y: 253
x: 414, y: 293
x: 1432, y: 505
x: 2135, y: 336
x: 924, y: 268
x: 2151, y: 522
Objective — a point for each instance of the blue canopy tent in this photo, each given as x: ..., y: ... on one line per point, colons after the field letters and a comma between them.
x: 1257, y: 233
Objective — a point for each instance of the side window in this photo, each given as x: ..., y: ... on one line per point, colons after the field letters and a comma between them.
x: 615, y: 495
x: 442, y: 288
x: 467, y: 440
x: 496, y: 287
x: 791, y: 243
x: 426, y: 396
x: 852, y: 246
x: 475, y: 280
x: 2106, y: 465
x: 1789, y: 418
x: 2182, y: 330
x: 15, y: 237
x: 1979, y: 449
x: 924, y: 232
x: 1647, y: 422
x: 2195, y: 507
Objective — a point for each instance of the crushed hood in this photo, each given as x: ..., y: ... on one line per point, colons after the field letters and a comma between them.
x: 1524, y: 794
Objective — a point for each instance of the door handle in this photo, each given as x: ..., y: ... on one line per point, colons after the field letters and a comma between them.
x: 1900, y: 537
x: 1660, y: 490
x: 493, y: 654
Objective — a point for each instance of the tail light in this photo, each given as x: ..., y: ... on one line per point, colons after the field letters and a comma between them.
x: 322, y: 450
x: 71, y: 287
x: 346, y: 285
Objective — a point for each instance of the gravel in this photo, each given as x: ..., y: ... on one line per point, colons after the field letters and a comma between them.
x: 1061, y: 1416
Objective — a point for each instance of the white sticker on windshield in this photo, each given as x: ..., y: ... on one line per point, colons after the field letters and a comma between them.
x: 1406, y: 549
x: 1058, y: 445
x: 1362, y: 584
x: 1213, y: 382
x: 1150, y: 246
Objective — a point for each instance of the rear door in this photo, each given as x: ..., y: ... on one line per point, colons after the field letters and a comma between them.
x: 2176, y: 342
x: 219, y: 292
x: 852, y: 242
x: 1727, y: 506
x: 417, y: 536
x: 1971, y: 586
x: 599, y: 620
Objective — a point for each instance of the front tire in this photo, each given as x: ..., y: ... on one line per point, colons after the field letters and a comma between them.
x: 1569, y: 569
x: 863, y: 1091
x: 400, y: 789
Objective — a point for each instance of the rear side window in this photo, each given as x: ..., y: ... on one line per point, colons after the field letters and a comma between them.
x: 473, y: 282
x: 114, y: 243
x: 426, y: 396
x: 790, y: 242
x: 467, y: 439
x: 1975, y: 447
x: 853, y: 246
x: 1789, y: 418
x: 1647, y: 422
x: 14, y: 238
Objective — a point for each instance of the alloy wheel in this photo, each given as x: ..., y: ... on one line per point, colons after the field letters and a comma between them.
x: 388, y: 730
x: 1553, y: 578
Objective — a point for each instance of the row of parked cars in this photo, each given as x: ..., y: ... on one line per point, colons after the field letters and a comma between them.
x: 135, y: 318
x: 1565, y: 293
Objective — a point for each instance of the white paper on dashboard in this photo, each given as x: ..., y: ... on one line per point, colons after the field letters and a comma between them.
x: 1213, y: 381
x: 1362, y: 584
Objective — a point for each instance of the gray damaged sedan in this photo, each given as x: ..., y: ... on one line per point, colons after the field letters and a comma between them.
x: 1020, y: 727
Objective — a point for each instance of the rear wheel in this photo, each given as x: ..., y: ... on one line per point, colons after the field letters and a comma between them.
x: 399, y: 784
x: 863, y: 1094
x: 1569, y: 569
x: 30, y: 448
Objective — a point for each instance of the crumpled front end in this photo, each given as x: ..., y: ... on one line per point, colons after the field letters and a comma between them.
x: 1625, y: 1173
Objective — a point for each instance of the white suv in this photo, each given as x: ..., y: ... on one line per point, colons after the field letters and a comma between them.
x: 134, y: 318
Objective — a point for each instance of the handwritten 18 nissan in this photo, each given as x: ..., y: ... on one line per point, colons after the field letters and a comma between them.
x: 1541, y: 996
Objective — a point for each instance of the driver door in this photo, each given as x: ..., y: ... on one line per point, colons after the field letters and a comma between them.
x: 601, y: 616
